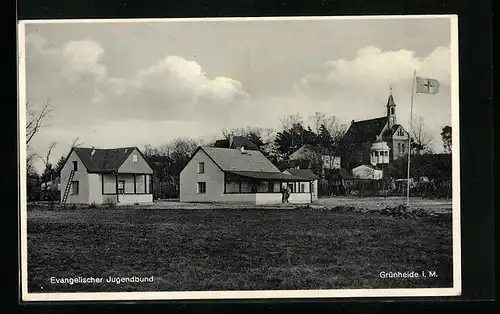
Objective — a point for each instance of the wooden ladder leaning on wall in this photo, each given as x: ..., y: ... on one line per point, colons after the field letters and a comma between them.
x: 66, y: 190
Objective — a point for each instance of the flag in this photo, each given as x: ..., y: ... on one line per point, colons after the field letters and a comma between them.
x: 427, y: 85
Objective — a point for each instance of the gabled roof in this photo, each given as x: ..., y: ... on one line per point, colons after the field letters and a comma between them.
x: 241, y: 141
x: 303, y: 151
x: 302, y: 173
x: 103, y: 160
x: 366, y: 130
x: 234, y: 160
x: 393, y: 130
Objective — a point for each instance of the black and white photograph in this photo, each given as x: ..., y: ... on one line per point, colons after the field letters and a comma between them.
x: 239, y: 158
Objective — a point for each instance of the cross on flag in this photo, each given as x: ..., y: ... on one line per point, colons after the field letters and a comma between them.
x: 427, y: 85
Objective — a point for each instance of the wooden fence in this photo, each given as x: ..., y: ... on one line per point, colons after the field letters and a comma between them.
x: 384, y: 187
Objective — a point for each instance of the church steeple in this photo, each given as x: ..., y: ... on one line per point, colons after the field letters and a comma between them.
x: 391, y: 109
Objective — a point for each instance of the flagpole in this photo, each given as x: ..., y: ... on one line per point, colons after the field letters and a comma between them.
x: 409, y: 139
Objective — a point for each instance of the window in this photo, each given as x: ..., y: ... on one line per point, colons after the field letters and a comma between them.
x: 75, y: 165
x: 121, y: 187
x: 134, y: 158
x: 386, y: 154
x: 270, y: 187
x: 290, y: 186
x: 302, y: 188
x: 202, y: 187
x: 201, y: 167
x: 401, y: 132
x: 399, y: 147
x: 75, y: 188
x: 403, y: 147
x: 392, y: 110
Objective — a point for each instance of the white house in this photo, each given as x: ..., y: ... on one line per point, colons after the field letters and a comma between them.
x: 304, y: 173
x: 367, y: 172
x: 237, y: 175
x: 310, y: 152
x: 102, y: 176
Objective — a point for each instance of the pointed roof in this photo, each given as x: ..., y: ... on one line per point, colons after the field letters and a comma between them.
x: 390, y: 101
x: 366, y: 130
x: 241, y: 141
x: 103, y: 160
x: 303, y: 152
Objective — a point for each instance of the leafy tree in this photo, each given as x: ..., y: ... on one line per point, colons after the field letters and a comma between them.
x: 325, y: 139
x: 288, y: 141
x: 60, y: 165
x: 336, y: 130
x: 167, y: 162
x: 446, y: 137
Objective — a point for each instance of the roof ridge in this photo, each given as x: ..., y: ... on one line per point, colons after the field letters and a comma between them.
x: 81, y: 147
x: 370, y: 119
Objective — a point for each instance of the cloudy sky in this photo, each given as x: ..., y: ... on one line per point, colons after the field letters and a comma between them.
x: 125, y: 84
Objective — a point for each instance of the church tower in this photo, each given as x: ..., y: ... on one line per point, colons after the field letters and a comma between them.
x: 391, y: 110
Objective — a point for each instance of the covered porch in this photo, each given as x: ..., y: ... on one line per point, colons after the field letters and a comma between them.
x: 126, y: 188
x: 265, y: 187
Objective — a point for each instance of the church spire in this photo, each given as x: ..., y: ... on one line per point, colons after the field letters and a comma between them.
x: 391, y: 109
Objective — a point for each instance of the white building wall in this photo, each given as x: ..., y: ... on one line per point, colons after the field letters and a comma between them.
x: 314, y: 187
x: 135, y: 164
x: 95, y: 188
x: 80, y: 175
x: 213, y: 177
x: 130, y: 199
x: 299, y: 198
x: 365, y: 172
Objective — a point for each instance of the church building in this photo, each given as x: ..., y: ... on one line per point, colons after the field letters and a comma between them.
x: 376, y: 142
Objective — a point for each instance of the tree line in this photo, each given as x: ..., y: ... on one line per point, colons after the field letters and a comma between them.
x: 319, y: 130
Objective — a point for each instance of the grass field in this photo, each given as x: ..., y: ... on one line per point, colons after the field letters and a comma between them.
x: 235, y: 249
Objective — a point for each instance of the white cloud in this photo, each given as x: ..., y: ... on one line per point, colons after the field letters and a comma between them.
x: 358, y: 88
x: 109, y: 111
x: 83, y: 58
x: 72, y: 74
x: 373, y: 70
x: 176, y: 75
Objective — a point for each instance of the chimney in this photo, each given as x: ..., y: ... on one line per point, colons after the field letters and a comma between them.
x: 92, y: 152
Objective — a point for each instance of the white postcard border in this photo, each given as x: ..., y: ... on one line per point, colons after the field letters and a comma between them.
x: 257, y: 294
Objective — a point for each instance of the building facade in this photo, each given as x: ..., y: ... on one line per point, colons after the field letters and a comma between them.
x: 365, y: 140
x: 106, y: 176
x: 215, y: 174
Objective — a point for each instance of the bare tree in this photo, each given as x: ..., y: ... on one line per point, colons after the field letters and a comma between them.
x: 422, y: 140
x: 334, y: 128
x: 46, y: 158
x: 289, y: 121
x: 76, y: 142
x: 35, y: 119
x: 30, y: 162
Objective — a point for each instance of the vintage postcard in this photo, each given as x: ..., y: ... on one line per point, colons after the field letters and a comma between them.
x: 239, y: 158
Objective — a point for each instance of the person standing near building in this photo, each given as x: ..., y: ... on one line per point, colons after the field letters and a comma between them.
x: 286, y: 194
